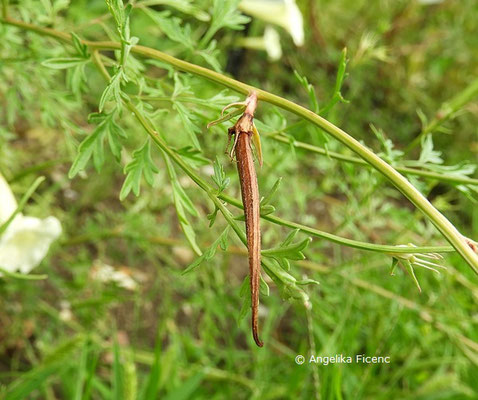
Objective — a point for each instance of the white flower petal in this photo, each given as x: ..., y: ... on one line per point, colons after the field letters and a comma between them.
x: 284, y: 13
x: 26, y: 242
x: 8, y: 203
x: 295, y: 23
x: 272, y: 43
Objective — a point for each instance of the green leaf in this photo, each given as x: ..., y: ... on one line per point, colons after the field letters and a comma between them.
x: 268, y: 197
x: 85, y: 151
x: 99, y: 151
x: 112, y: 91
x: 288, y: 251
x: 193, y: 156
x: 305, y: 282
x: 314, y: 105
x: 180, y: 88
x: 64, y: 63
x: 391, y: 155
x: 427, y: 154
x: 212, y: 217
x: 115, y: 133
x: 267, y: 209
x: 244, y: 292
x: 223, y: 242
x: 93, y: 145
x: 81, y: 49
x: 184, y: 198
x: 183, y: 203
x: 141, y: 164
x: 290, y: 237
x: 341, y: 75
x: 126, y: 49
x: 225, y: 15
x: 96, y: 118
x: 116, y: 9
x: 210, y: 55
x: 209, y: 252
x: 219, y: 177
x: 286, y: 283
x: 171, y: 27
x: 125, y: 30
x: 188, y: 120
x: 186, y: 7
x: 121, y: 16
x: 76, y: 79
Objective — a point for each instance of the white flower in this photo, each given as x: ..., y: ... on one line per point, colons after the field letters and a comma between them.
x: 270, y: 42
x: 284, y: 13
x: 26, y: 241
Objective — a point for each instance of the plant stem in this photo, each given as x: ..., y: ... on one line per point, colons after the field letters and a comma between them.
x: 446, y: 228
x: 405, y: 170
x: 379, y: 248
x: 282, y: 138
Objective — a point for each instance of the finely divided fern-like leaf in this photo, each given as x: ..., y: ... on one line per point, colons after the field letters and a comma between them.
x: 209, y: 252
x: 85, y: 151
x: 141, y: 164
x: 112, y: 91
x: 183, y: 204
x: 93, y: 145
x: 288, y: 250
x: 225, y: 15
x: 188, y: 120
x: 64, y: 62
x: 171, y: 27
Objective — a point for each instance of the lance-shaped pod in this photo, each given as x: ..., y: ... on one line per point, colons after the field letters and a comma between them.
x: 243, y: 132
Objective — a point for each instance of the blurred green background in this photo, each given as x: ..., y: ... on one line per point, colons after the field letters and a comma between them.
x: 174, y: 336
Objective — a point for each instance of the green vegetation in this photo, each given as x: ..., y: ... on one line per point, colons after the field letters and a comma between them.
x: 369, y: 139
